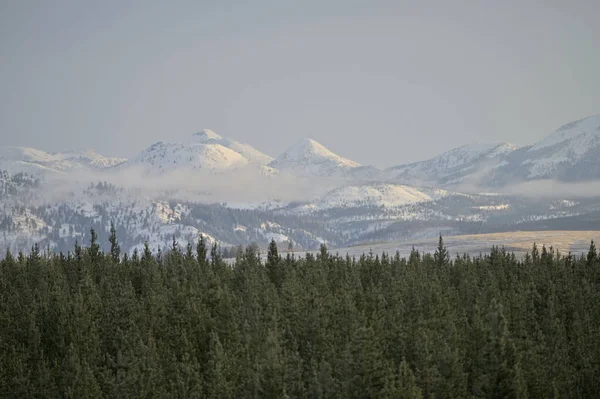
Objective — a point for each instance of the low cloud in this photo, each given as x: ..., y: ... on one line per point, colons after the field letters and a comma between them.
x: 554, y: 189
x: 241, y: 186
x: 543, y: 189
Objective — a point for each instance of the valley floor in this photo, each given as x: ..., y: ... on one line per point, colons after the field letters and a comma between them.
x: 520, y: 243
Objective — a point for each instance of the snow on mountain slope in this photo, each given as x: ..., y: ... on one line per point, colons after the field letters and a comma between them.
x: 163, y: 157
x: 570, y: 154
x: 386, y: 195
x: 14, y: 185
x: 308, y: 158
x: 372, y: 195
x: 207, y: 136
x: 87, y: 159
x: 25, y: 154
x: 574, y: 134
x: 15, y: 167
x: 33, y: 161
x: 565, y: 148
x: 205, y: 151
x: 452, y: 166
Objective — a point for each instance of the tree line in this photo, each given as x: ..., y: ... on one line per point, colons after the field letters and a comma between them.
x: 184, y: 323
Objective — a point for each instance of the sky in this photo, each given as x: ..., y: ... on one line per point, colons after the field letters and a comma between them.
x: 380, y: 82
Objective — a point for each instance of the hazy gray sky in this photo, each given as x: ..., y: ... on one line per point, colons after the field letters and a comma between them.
x: 381, y: 82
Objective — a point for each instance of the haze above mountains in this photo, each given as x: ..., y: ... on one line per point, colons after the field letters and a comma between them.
x: 570, y: 154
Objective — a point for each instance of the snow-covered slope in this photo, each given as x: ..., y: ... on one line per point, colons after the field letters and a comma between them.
x: 308, y: 158
x: 163, y: 157
x: 207, y: 136
x: 351, y: 214
x: 372, y: 195
x: 87, y: 159
x: 203, y: 152
x: 454, y: 166
x: 32, y: 161
x: 14, y: 185
x: 577, y: 135
x: 570, y: 154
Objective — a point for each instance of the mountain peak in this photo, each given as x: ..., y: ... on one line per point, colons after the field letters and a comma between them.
x: 206, y: 135
x: 586, y: 129
x: 453, y: 166
x: 309, y: 150
x: 309, y: 146
x: 310, y: 158
x: 309, y: 141
x: 30, y: 159
x: 592, y: 121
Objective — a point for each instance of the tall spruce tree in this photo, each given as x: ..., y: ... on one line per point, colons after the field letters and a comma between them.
x: 441, y: 256
x: 407, y: 383
x: 201, y: 250
x: 592, y: 255
x: 273, y: 264
x: 115, y: 249
x: 94, y: 249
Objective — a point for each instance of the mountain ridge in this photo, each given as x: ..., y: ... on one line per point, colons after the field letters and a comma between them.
x: 309, y: 158
x: 358, y: 204
x: 31, y: 160
x: 570, y: 153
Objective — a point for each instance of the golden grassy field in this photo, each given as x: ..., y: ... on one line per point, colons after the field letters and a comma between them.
x: 520, y: 243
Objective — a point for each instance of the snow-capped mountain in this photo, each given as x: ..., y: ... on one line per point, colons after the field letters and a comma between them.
x: 207, y: 136
x: 308, y: 158
x: 577, y: 136
x: 570, y: 154
x: 205, y: 151
x: 36, y: 162
x: 360, y: 204
x: 378, y: 195
x: 163, y: 157
x: 458, y: 165
x: 87, y: 159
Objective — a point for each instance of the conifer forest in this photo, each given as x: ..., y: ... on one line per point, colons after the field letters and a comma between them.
x: 186, y: 323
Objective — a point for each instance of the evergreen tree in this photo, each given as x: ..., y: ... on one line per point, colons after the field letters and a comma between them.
x: 441, y: 256
x: 273, y: 266
x: 592, y: 255
x: 323, y: 252
x: 115, y: 249
x: 188, y: 252
x: 215, y: 255
x: 407, y: 383
x: 201, y: 250
x: 215, y: 379
x: 94, y: 249
x: 414, y: 258
x: 146, y: 255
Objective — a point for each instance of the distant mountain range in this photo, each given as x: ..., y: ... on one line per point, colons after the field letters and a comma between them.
x: 454, y: 192
x: 572, y: 153
x: 30, y: 160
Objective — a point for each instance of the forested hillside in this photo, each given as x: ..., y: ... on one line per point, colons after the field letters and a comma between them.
x: 185, y: 324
